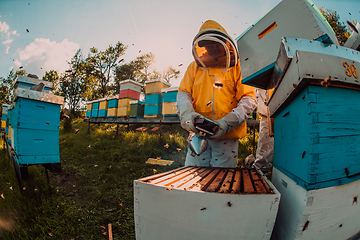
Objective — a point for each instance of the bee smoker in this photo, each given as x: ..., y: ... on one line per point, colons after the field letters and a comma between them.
x: 198, y: 143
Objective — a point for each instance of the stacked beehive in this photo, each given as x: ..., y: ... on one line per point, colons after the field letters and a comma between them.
x: 4, y: 111
x: 34, y: 123
x: 315, y: 155
x: 136, y: 109
x: 103, y: 107
x: 153, y: 97
x: 129, y: 91
x: 95, y: 109
x: 169, y: 101
x: 112, y: 107
x: 88, y: 109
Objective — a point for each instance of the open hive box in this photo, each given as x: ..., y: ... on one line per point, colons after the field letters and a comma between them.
x: 205, y: 203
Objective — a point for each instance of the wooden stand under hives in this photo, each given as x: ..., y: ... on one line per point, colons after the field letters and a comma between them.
x: 205, y: 203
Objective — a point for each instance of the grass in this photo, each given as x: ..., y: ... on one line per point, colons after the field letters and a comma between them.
x: 95, y: 187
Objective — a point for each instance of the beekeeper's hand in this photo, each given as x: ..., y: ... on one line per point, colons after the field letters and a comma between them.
x: 186, y: 111
x: 226, y: 124
x: 187, y: 120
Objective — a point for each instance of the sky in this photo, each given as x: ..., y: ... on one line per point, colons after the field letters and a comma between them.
x: 43, y: 35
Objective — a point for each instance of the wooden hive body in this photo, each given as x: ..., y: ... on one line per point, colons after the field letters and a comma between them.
x: 136, y: 109
x: 34, y: 121
x: 205, y: 203
x: 329, y: 213
x: 259, y: 44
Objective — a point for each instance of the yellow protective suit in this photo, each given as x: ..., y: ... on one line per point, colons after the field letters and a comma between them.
x: 216, y: 91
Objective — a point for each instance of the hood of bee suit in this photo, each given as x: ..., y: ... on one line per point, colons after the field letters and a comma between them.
x: 213, y: 47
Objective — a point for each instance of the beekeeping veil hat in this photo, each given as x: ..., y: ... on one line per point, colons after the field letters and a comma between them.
x: 213, y: 47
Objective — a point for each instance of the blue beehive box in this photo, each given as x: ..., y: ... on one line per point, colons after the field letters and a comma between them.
x: 316, y: 117
x: 34, y: 120
x: 169, y: 94
x: 25, y: 82
x: 102, y: 113
x: 95, y: 106
x: 152, y: 110
x: 113, y: 103
x: 153, y: 99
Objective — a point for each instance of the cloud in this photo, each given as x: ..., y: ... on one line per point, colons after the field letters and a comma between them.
x: 43, y: 55
x: 4, y: 27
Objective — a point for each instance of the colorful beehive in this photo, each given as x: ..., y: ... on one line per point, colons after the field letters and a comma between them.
x: 88, y: 109
x: 136, y: 109
x: 169, y: 108
x: 316, y: 151
x: 103, y: 107
x: 259, y: 44
x: 205, y: 203
x: 124, y: 107
x: 112, y: 107
x: 4, y: 111
x: 153, y: 105
x: 130, y: 89
x: 95, y: 109
x: 35, y: 119
x: 155, y: 86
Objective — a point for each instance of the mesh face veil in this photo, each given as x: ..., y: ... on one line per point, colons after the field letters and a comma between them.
x: 214, y: 49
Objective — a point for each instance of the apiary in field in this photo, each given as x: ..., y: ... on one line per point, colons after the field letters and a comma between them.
x: 205, y: 203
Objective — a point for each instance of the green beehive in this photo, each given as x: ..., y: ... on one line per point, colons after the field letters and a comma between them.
x: 136, y: 109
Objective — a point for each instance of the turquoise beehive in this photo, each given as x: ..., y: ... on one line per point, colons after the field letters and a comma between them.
x: 34, y: 120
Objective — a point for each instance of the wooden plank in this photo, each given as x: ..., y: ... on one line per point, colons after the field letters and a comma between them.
x: 248, y: 186
x: 259, y: 186
x: 194, y: 183
x: 174, y: 181
x: 204, y: 183
x: 215, y: 185
x: 225, y: 187
x: 152, y: 177
x: 171, y: 176
x: 237, y: 182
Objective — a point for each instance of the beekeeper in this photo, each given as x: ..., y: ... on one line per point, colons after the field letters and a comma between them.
x: 265, y: 146
x: 211, y: 87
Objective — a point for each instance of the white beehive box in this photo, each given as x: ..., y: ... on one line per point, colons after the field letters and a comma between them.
x: 354, y: 40
x: 329, y: 213
x: 205, y: 203
x: 259, y: 45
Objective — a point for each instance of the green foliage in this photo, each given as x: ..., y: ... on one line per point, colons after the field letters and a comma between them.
x: 339, y: 28
x: 103, y: 63
x: 53, y: 77
x: 95, y: 187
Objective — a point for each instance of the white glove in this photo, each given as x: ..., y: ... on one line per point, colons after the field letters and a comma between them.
x: 186, y: 111
x: 226, y: 124
x: 187, y: 120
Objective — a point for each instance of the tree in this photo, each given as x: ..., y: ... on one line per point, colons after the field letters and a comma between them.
x: 53, y: 77
x: 142, y: 65
x: 103, y: 63
x: 170, y: 73
x: 339, y: 28
x: 6, y: 87
x: 74, y: 83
